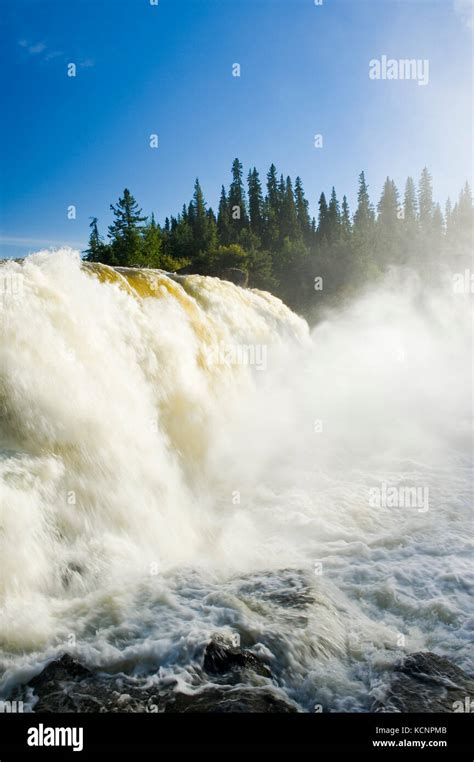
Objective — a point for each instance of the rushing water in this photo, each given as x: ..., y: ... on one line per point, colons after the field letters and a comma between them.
x: 182, y: 456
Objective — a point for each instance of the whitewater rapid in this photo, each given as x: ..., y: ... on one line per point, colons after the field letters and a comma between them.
x: 168, y: 446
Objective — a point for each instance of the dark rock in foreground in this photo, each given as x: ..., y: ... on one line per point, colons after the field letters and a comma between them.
x: 425, y: 682
x: 225, y: 699
x: 221, y: 657
x: 67, y: 686
x: 422, y: 682
x: 59, y: 672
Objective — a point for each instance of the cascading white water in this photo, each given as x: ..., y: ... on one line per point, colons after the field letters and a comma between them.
x: 165, y: 442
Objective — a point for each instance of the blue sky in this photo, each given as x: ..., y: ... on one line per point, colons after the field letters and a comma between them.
x: 167, y: 69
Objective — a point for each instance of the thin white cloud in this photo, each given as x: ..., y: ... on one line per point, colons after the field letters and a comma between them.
x: 7, y: 240
x: 53, y: 54
x: 33, y: 49
x: 38, y: 48
x: 41, y: 50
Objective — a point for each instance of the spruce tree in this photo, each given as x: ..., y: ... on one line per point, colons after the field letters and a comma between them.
x: 152, y: 244
x: 126, y: 231
x: 223, y: 219
x: 237, y: 203
x: 409, y: 224
x: 461, y: 230
x: 255, y: 197
x: 272, y: 190
x: 323, y: 223
x: 198, y: 219
x: 272, y: 238
x: 271, y: 211
x: 302, y: 212
x: 212, y: 234
x: 464, y: 208
x: 182, y: 240
x: 438, y: 222
x: 387, y: 207
x: 410, y: 211
x: 96, y: 251
x: 364, y: 216
x: 363, y: 232
x: 333, y: 217
x: 288, y: 216
x: 346, y: 225
x: 388, y: 226
x: 281, y: 193
x: 448, y: 211
x: 425, y: 200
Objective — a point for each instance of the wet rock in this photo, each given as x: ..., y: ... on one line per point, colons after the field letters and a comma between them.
x: 57, y: 672
x: 426, y: 682
x: 234, y: 275
x: 287, y: 588
x: 66, y: 686
x: 225, y: 699
x: 50, y: 686
x: 221, y: 657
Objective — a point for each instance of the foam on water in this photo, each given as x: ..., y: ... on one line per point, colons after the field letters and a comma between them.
x: 153, y: 490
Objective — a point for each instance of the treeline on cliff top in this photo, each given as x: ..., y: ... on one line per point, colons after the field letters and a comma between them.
x: 266, y: 230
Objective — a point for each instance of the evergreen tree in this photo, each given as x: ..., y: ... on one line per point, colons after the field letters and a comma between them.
x: 363, y: 228
x: 272, y: 189
x: 387, y: 207
x: 410, y: 225
x: 448, y: 211
x: 281, y: 247
x: 410, y: 211
x: 288, y: 215
x: 281, y: 193
x: 212, y: 235
x: 302, y: 212
x: 237, y: 203
x: 271, y: 211
x: 223, y: 219
x: 346, y: 225
x: 425, y: 200
x: 364, y: 216
x: 460, y: 238
x: 388, y: 249
x: 333, y: 217
x: 152, y: 245
x: 255, y: 202
x: 438, y: 222
x: 96, y: 251
x: 323, y: 222
x: 260, y: 270
x: 464, y: 208
x: 181, y: 241
x: 199, y: 220
x: 203, y: 226
x: 126, y: 231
